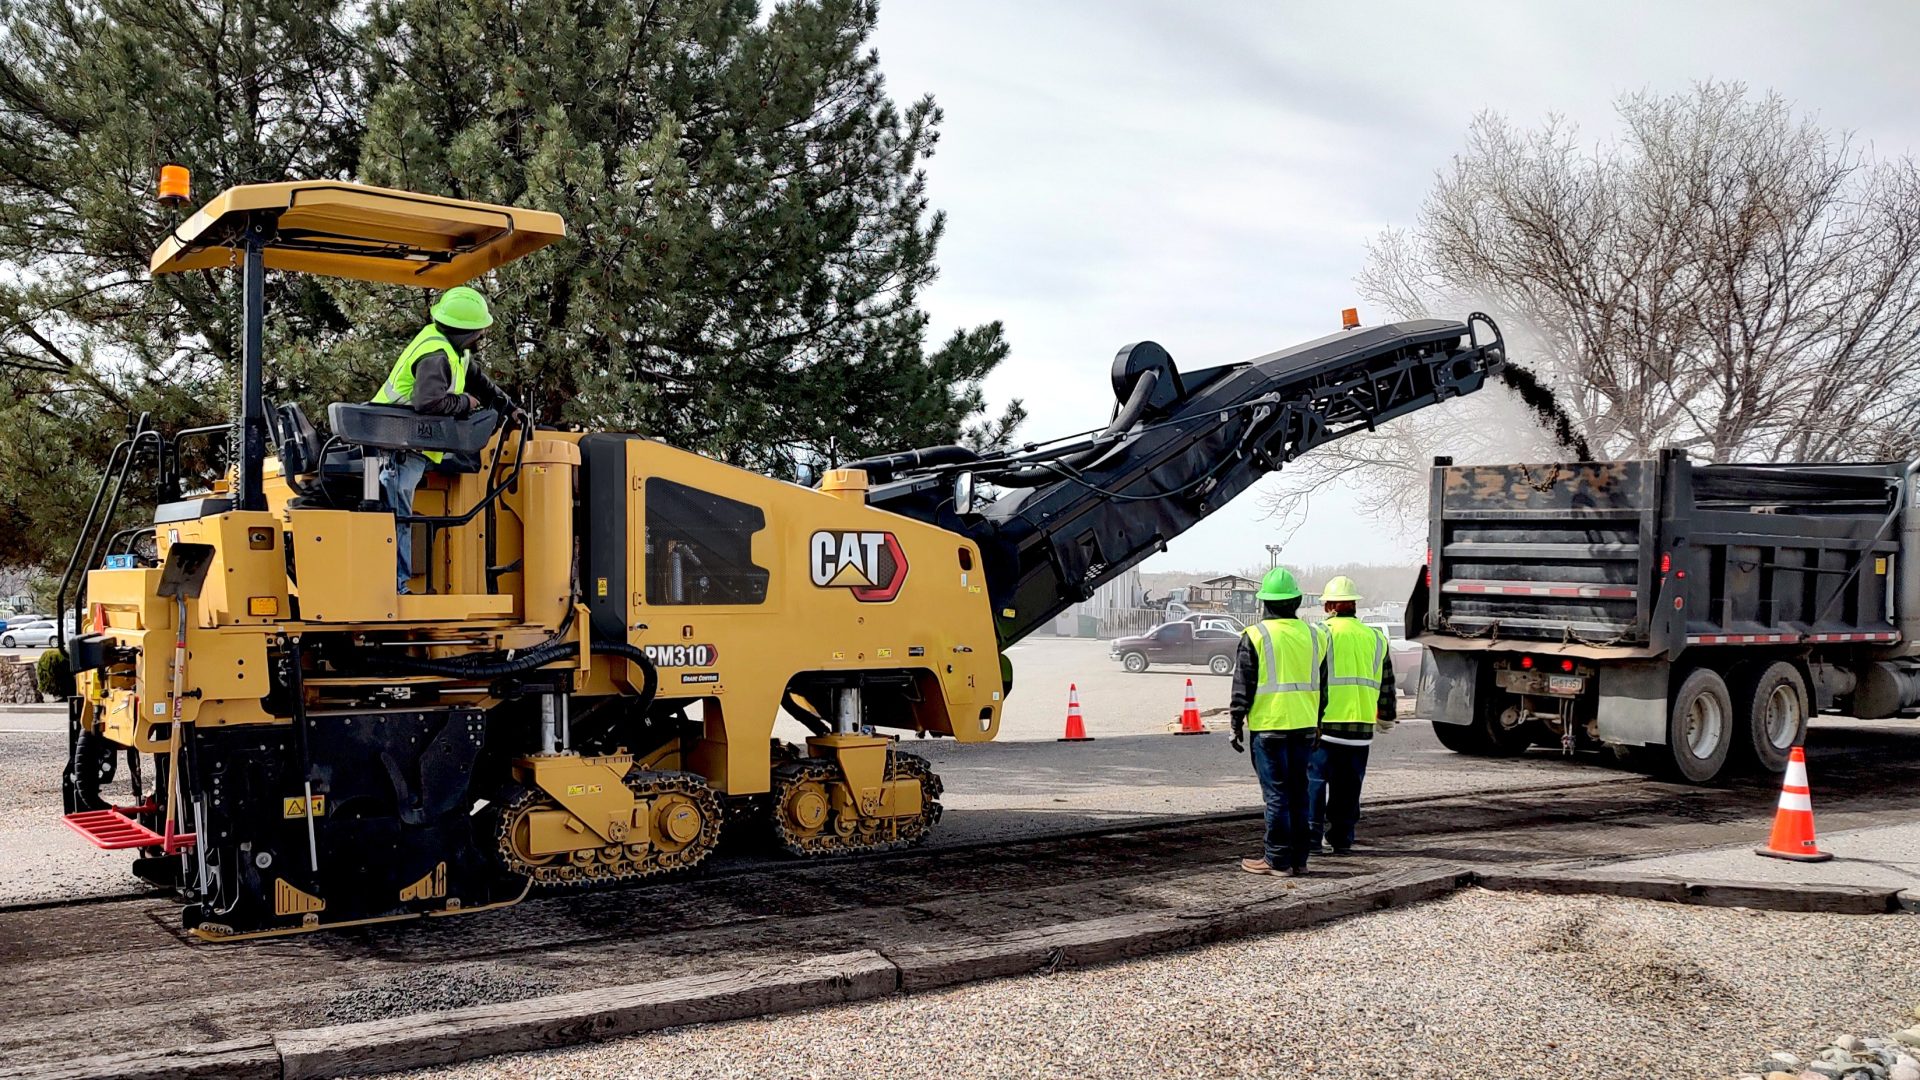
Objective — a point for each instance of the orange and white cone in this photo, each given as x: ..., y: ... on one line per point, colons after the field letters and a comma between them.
x: 1076, y: 727
x: 1190, y: 716
x: 1793, y: 823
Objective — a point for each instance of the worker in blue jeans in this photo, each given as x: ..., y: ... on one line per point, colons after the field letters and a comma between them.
x: 1277, y: 697
x: 433, y: 376
x: 1359, y: 700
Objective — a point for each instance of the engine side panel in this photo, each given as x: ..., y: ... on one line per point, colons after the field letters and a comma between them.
x: 737, y: 584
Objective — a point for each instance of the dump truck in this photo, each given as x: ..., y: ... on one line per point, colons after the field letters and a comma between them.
x: 1694, y: 615
x: 580, y: 684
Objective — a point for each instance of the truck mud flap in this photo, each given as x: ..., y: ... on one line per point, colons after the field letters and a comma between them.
x: 1448, y: 681
x: 1633, y: 702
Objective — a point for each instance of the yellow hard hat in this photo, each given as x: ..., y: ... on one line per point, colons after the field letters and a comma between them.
x: 1340, y: 588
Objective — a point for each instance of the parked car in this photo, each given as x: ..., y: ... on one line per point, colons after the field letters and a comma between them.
x: 21, y: 619
x: 36, y: 634
x: 1210, y: 641
x: 1404, y: 654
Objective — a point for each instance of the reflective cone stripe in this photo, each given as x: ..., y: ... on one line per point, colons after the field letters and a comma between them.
x: 1793, y: 836
x: 1190, y: 716
x: 1076, y: 727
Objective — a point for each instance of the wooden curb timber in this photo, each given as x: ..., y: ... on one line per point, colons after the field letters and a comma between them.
x: 240, y: 1059
x: 1827, y: 899
x: 440, y: 1038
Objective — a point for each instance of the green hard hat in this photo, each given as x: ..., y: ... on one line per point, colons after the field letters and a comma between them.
x: 1341, y: 588
x: 462, y: 308
x: 1279, y: 585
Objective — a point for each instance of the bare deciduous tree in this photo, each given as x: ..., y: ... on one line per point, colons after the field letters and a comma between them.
x: 1723, y: 276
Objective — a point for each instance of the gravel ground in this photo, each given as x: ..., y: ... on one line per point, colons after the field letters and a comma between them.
x: 40, y: 858
x: 1478, y: 985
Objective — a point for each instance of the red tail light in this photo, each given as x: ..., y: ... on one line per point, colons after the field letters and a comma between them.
x: 1566, y: 665
x: 1666, y: 561
x: 1527, y: 662
x: 1429, y: 567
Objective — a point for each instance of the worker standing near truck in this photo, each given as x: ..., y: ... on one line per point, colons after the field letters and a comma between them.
x: 432, y: 376
x: 1278, y: 691
x: 1359, y: 697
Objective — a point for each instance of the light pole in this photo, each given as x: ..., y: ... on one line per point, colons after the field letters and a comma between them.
x: 1273, y: 556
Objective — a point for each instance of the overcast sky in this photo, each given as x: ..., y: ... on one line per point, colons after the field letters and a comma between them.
x: 1206, y: 174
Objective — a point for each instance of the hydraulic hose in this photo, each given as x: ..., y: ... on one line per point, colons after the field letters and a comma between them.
x: 882, y: 467
x: 1123, y: 422
x: 650, y: 682
x: 490, y: 667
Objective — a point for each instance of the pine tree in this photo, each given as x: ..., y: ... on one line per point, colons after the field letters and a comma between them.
x: 749, y: 230
x: 93, y: 96
x: 749, y: 225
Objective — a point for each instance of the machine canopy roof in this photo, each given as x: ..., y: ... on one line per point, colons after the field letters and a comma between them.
x: 344, y: 230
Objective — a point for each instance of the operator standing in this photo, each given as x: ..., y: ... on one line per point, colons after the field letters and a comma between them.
x: 1278, y: 691
x: 1359, y: 697
x: 433, y: 375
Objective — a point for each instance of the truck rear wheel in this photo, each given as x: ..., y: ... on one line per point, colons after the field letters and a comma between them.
x: 1460, y: 738
x: 1700, y: 726
x: 1509, y: 731
x: 1776, y: 716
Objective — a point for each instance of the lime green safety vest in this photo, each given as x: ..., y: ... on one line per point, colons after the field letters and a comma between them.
x: 1287, y: 697
x: 398, y: 389
x: 1353, y: 683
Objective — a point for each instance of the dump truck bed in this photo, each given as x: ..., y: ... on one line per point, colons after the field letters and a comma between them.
x: 1660, y: 554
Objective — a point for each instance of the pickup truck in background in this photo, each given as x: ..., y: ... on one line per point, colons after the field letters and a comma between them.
x: 1209, y: 641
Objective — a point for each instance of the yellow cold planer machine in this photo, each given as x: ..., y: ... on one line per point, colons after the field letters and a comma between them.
x: 581, y: 684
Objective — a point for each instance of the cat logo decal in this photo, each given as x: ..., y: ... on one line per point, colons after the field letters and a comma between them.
x: 871, y: 564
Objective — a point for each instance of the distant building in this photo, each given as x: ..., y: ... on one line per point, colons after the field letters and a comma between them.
x: 1230, y: 593
x: 1115, y: 607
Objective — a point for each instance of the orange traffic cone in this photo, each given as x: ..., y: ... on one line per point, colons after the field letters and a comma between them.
x: 1190, y: 716
x: 1793, y: 822
x: 1076, y: 727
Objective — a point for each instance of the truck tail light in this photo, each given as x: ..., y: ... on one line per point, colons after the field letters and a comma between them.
x: 1526, y: 662
x: 1429, y: 565
x: 1566, y: 665
x: 1666, y: 561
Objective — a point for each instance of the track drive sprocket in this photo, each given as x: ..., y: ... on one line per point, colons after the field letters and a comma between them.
x: 685, y: 815
x: 805, y: 824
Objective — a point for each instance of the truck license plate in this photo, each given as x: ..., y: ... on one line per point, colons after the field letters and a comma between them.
x: 1565, y: 684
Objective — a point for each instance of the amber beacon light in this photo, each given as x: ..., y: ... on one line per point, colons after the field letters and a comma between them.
x: 176, y: 185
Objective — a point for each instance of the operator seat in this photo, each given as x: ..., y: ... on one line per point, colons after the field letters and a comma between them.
x: 377, y: 428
